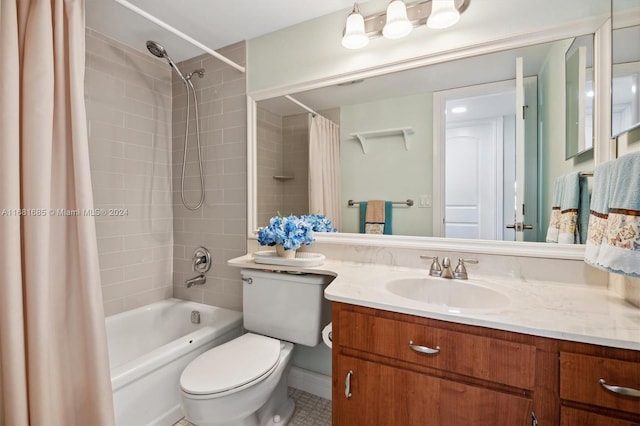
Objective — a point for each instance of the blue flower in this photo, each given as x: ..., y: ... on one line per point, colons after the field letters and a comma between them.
x: 319, y: 223
x: 292, y: 232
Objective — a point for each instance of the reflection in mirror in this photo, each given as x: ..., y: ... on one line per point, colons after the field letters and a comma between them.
x: 625, y: 85
x: 390, y: 151
x: 579, y: 96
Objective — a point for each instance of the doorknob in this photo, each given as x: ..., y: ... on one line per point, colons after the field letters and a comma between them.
x: 519, y: 226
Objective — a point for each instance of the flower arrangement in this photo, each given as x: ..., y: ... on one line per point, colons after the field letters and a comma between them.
x: 291, y: 232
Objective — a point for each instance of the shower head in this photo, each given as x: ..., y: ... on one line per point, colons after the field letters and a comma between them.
x: 156, y: 49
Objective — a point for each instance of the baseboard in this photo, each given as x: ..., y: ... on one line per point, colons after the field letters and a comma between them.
x: 311, y: 382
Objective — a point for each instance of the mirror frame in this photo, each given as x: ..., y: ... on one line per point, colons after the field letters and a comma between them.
x: 602, y: 141
x: 625, y: 21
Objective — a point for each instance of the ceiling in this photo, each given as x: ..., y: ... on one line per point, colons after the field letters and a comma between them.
x: 214, y: 23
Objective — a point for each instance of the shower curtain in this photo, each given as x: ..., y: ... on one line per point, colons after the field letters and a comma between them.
x: 54, y: 367
x: 324, y: 169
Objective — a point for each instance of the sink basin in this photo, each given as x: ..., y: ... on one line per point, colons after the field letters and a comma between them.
x: 455, y: 296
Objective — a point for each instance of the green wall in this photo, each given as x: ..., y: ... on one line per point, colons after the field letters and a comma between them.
x: 388, y: 171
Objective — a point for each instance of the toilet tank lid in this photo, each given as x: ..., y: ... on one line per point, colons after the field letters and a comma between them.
x: 296, y: 277
x: 231, y: 365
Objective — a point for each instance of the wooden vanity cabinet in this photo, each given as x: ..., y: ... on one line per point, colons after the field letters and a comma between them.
x: 474, y: 375
x: 585, y: 401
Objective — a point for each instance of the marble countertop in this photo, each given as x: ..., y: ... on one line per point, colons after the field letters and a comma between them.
x: 572, y: 312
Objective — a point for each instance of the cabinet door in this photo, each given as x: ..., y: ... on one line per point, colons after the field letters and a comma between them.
x: 574, y: 417
x: 384, y: 395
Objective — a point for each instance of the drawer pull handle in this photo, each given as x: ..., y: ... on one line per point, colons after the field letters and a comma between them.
x: 620, y: 390
x: 424, y: 349
x: 347, y: 385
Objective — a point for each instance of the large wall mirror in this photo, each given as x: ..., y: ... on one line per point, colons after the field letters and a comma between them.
x: 625, y: 85
x: 428, y: 134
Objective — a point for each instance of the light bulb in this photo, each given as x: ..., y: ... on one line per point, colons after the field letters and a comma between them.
x: 398, y: 25
x: 354, y: 35
x: 443, y: 14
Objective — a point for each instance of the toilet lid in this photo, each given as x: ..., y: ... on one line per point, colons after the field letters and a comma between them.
x: 230, y: 365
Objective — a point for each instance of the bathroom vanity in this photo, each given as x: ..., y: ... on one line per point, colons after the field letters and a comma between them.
x: 453, y: 374
x: 536, y: 358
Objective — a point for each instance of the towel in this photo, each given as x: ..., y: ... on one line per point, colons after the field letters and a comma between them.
x: 554, y: 222
x: 375, y: 217
x: 574, y: 208
x: 619, y: 250
x: 600, y: 199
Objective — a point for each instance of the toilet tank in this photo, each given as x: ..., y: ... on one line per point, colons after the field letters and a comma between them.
x: 286, y: 306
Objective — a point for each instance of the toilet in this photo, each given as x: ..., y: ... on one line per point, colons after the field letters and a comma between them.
x: 244, y: 382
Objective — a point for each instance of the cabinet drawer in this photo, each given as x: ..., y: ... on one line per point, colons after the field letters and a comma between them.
x: 580, y: 381
x: 485, y: 358
x: 574, y: 417
x: 380, y: 395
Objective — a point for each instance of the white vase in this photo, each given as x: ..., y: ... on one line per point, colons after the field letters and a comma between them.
x: 288, y: 254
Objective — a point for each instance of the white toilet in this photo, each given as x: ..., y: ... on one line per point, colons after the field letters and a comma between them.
x: 244, y: 382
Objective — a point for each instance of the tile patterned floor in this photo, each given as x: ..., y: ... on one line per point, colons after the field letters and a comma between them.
x: 311, y: 410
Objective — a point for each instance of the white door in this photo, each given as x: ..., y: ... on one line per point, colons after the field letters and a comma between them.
x: 473, y: 192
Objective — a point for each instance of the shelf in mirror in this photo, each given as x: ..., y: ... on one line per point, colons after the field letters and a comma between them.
x: 363, y: 137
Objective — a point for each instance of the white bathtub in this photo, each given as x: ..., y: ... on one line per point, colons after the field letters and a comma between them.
x: 148, y: 349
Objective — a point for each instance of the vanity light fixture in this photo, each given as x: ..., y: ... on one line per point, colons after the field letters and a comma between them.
x: 354, y: 36
x: 443, y: 14
x: 398, y: 25
x: 399, y: 19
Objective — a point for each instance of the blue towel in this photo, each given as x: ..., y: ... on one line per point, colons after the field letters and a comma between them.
x: 619, y: 250
x: 388, y: 208
x: 574, y: 209
x: 363, y: 216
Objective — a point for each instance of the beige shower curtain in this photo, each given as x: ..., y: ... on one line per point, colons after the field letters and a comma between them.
x: 324, y: 169
x: 53, y: 357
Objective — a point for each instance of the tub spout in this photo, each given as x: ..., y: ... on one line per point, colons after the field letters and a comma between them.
x: 198, y: 280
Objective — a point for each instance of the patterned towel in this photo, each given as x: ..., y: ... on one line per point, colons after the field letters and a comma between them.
x: 375, y: 217
x: 616, y: 242
x: 554, y: 222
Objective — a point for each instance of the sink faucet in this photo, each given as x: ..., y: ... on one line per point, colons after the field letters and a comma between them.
x: 445, y: 271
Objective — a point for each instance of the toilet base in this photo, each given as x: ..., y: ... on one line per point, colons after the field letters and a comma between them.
x: 285, y: 413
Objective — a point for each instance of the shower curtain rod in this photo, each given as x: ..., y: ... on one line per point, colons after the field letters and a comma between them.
x: 178, y: 33
x: 301, y: 105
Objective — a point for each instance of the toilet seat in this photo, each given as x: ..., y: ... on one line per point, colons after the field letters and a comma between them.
x: 231, y: 366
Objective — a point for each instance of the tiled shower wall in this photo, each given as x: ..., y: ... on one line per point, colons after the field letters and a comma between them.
x: 282, y: 150
x: 269, y: 164
x: 128, y: 101
x: 295, y: 138
x: 220, y: 225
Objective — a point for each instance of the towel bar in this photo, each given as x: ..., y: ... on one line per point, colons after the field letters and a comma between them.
x: 409, y: 203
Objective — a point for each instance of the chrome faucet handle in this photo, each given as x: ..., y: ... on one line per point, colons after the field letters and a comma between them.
x: 435, y: 270
x: 460, y: 272
x: 201, y: 260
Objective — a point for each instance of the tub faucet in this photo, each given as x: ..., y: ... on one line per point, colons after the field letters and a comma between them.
x: 198, y: 280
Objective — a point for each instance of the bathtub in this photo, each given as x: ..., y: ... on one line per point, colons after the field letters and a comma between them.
x: 148, y: 349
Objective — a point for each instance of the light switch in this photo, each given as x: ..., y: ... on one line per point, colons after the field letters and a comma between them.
x: 425, y: 201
